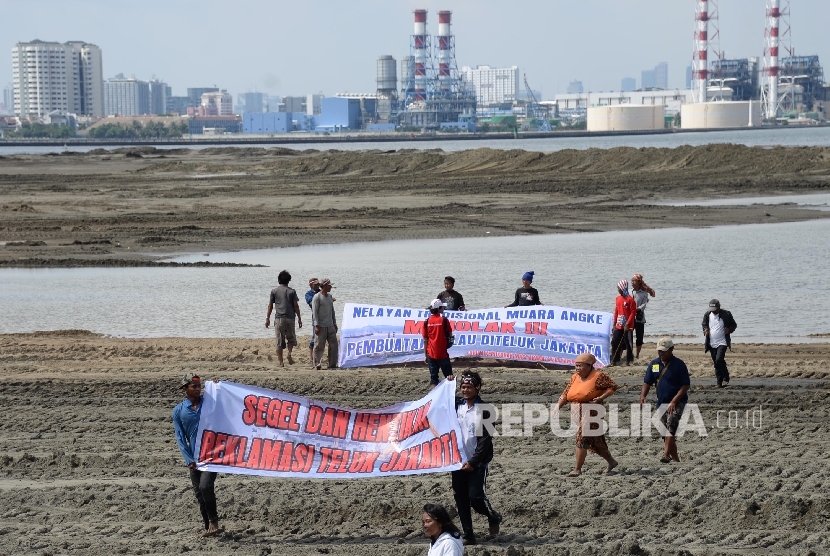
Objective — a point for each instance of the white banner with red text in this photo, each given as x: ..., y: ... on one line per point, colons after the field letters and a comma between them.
x: 377, y: 335
x: 256, y: 431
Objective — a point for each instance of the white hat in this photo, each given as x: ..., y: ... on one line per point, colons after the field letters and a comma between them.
x: 437, y: 304
x: 664, y: 344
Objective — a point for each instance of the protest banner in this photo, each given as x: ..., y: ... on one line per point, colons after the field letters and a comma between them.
x: 377, y: 335
x: 255, y: 431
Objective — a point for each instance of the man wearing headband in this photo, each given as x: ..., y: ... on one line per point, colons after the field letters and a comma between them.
x: 468, y: 484
x: 186, y: 417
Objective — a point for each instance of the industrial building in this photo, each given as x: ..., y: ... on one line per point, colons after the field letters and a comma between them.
x: 338, y: 114
x: 739, y: 75
x: 267, y: 123
x: 214, y: 125
x: 626, y: 117
x: 51, y: 76
x: 718, y: 115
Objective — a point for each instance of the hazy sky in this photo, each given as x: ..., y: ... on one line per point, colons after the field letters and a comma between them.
x: 298, y: 47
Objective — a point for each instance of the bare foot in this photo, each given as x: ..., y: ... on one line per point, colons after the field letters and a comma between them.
x: 212, y: 531
x: 575, y: 473
x: 611, y: 465
x: 290, y: 359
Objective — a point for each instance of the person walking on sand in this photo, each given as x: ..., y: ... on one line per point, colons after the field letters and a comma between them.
x: 640, y: 292
x: 526, y: 295
x: 718, y: 326
x: 588, y: 386
x: 468, y: 483
x: 444, y: 537
x: 285, y: 303
x: 325, y: 325
x: 671, y: 376
x: 314, y: 287
x: 437, y: 334
x: 186, y: 417
x: 625, y: 312
x: 453, y: 300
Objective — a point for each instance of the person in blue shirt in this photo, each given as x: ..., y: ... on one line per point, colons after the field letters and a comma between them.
x: 671, y: 376
x: 186, y: 417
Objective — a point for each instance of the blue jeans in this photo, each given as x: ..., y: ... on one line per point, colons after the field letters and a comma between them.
x: 719, y: 359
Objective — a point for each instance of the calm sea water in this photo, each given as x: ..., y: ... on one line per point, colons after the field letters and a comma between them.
x: 775, y: 279
x: 803, y: 137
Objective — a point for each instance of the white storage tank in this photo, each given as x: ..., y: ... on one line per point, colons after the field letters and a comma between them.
x: 626, y: 117
x: 718, y: 115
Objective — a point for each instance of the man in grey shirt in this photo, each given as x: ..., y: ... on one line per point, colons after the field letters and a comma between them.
x: 285, y: 302
x: 325, y: 324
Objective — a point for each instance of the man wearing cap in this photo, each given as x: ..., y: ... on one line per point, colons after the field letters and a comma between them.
x: 286, y: 303
x: 186, y: 417
x: 468, y: 484
x: 314, y: 287
x: 718, y: 325
x: 437, y: 331
x: 671, y: 376
x: 325, y: 325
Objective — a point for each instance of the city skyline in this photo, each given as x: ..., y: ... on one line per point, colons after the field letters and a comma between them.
x: 333, y: 47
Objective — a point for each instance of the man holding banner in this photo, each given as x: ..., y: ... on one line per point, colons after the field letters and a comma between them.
x: 186, y: 417
x: 468, y: 484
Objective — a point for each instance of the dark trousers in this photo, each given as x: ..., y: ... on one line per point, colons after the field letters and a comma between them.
x: 468, y: 489
x: 640, y: 329
x: 719, y: 359
x: 434, y: 365
x: 619, y: 340
x: 202, y: 482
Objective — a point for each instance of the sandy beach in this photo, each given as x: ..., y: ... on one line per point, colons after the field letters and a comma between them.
x: 133, y: 205
x: 88, y: 459
x: 90, y: 464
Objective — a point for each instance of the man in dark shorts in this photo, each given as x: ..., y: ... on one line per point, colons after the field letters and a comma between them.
x: 671, y: 376
x: 186, y: 418
x: 453, y: 300
x: 285, y: 302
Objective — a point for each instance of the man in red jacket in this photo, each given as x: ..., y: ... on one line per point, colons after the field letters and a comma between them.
x: 437, y: 331
x: 625, y: 313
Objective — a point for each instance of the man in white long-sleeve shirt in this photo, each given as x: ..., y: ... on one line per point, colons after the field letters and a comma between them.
x: 325, y: 324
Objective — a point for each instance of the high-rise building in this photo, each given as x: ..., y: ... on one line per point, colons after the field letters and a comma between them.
x: 8, y: 99
x: 51, y: 76
x: 661, y: 75
x: 253, y: 102
x: 127, y: 97
x: 178, y: 105
x: 195, y: 94
x: 656, y: 78
x: 217, y: 103
x: 628, y: 84
x: 575, y: 87
x: 492, y: 85
x: 158, y: 97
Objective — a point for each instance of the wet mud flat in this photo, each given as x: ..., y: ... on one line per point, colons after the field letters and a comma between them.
x: 89, y: 464
x: 138, y: 204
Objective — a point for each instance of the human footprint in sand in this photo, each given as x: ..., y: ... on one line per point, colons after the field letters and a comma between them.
x: 588, y: 386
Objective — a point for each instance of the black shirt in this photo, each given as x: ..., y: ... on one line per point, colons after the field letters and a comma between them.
x: 453, y: 299
x: 525, y: 297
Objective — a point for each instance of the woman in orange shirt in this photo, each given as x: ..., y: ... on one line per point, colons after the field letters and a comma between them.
x: 588, y: 386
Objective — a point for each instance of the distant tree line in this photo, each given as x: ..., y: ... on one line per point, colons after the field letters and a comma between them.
x: 150, y: 130
x: 30, y: 130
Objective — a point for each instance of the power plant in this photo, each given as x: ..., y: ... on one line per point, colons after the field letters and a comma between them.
x: 432, y: 93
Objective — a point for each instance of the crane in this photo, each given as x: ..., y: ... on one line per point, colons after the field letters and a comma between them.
x: 534, y: 109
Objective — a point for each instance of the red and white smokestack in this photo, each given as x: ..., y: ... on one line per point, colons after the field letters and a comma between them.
x: 701, y: 70
x: 773, y: 68
x: 444, y: 50
x: 419, y: 45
